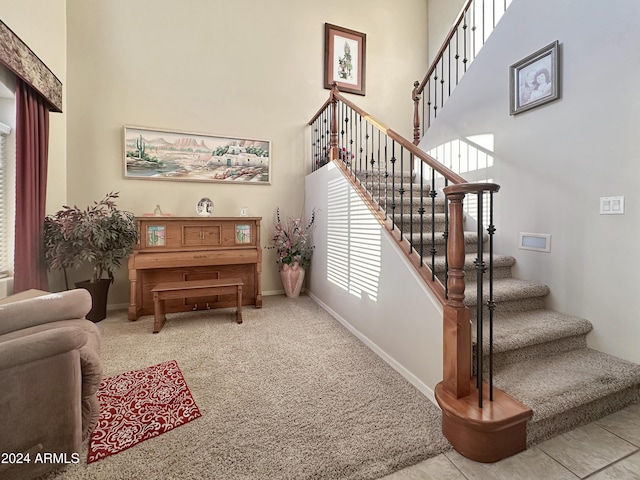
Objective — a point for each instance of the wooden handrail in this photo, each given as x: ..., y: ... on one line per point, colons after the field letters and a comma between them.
x: 484, y: 435
x: 457, y: 327
x: 465, y: 188
x: 453, y: 177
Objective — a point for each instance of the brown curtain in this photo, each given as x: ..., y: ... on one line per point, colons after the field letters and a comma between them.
x: 32, y: 145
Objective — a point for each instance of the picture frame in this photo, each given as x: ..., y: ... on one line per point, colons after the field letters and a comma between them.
x: 155, y: 154
x: 344, y: 59
x: 534, y: 80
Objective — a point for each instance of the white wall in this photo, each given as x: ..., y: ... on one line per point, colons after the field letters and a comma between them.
x: 380, y: 298
x: 554, y: 162
x: 243, y: 68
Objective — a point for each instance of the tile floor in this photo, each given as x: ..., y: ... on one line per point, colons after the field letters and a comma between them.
x: 605, y: 449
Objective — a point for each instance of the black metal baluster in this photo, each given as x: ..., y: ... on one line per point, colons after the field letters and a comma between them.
x: 350, y: 153
x: 358, y: 149
x: 432, y: 195
x: 435, y: 93
x: 393, y: 184
x: 359, y: 169
x: 323, y: 136
x: 386, y: 176
x: 491, y: 229
x: 411, y: 241
x: 421, y: 211
x: 442, y: 99
x: 464, y: 41
x: 429, y: 103
x: 343, y: 113
x: 401, y: 192
x: 480, y: 267
x: 379, y: 176
x: 372, y: 161
x: 445, y: 235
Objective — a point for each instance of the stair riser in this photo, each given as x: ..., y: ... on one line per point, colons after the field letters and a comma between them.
x: 539, y: 430
x: 470, y: 277
x: 426, y: 225
x: 502, y: 359
x: 408, y: 208
x: 524, y: 304
x: 383, y: 194
x: 375, y: 174
x: 440, y: 247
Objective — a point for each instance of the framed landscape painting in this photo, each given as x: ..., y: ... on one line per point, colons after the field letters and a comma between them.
x: 153, y: 154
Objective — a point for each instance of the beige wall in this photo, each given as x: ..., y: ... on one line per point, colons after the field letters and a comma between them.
x: 243, y: 68
x: 442, y: 14
x: 41, y: 24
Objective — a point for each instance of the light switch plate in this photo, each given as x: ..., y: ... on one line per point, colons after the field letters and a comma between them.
x: 612, y: 205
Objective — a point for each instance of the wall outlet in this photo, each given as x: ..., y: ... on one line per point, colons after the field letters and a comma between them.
x: 612, y: 205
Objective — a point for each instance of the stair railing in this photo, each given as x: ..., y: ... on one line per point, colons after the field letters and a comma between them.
x: 380, y: 163
x: 470, y: 31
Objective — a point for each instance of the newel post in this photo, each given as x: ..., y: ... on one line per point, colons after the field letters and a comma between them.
x: 333, y: 150
x: 416, y: 113
x: 456, y: 318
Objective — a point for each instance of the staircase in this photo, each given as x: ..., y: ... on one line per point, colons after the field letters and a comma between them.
x: 540, y: 356
x: 547, y: 380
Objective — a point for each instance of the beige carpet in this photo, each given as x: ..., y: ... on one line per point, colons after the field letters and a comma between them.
x: 289, y: 394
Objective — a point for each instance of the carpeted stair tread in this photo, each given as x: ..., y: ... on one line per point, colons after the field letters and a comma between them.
x: 540, y: 356
x: 470, y: 238
x: 406, y: 218
x: 375, y: 173
x: 499, y: 261
x: 411, y: 190
x: 562, y: 382
x: 415, y: 201
x: 534, y: 327
x: 508, y: 289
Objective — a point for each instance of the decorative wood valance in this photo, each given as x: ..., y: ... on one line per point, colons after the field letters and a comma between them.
x: 21, y: 60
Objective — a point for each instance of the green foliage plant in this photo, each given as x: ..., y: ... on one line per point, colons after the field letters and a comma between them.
x: 100, y: 235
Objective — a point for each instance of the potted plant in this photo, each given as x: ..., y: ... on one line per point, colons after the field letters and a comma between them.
x: 294, y: 249
x: 100, y: 235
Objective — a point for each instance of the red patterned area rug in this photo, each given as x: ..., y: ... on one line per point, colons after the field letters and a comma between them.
x: 138, y: 405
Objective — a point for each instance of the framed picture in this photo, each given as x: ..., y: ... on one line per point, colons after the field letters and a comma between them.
x: 151, y: 154
x: 534, y: 80
x: 344, y: 59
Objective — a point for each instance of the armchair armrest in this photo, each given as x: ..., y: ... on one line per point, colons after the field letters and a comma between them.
x: 53, y: 307
x: 39, y: 346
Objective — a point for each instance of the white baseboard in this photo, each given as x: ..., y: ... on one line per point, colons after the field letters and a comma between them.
x: 410, y: 377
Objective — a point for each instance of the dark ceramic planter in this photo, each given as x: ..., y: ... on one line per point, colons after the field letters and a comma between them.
x: 99, y: 291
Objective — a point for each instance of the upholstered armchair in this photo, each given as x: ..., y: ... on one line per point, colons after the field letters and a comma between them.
x: 50, y: 371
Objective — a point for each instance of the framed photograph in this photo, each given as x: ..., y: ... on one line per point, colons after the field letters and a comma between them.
x: 344, y: 59
x: 534, y: 80
x: 152, y: 154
